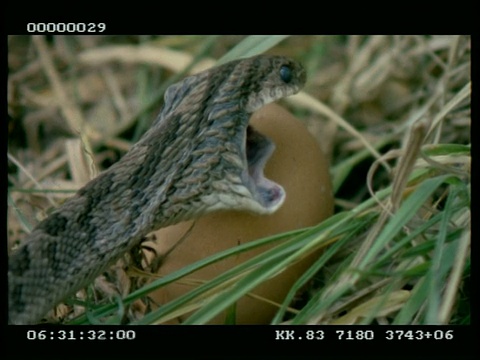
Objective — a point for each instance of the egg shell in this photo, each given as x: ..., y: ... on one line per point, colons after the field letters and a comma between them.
x: 297, y: 164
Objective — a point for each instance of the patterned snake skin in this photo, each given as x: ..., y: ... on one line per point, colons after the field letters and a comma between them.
x: 200, y: 155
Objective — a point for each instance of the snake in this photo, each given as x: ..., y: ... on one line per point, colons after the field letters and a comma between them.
x: 200, y: 155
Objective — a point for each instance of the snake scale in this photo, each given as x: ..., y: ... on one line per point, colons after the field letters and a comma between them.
x: 200, y: 155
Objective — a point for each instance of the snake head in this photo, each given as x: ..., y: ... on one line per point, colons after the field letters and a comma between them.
x: 214, y: 158
x: 236, y: 90
x: 280, y: 77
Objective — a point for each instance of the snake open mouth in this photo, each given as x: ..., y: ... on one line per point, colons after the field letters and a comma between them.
x: 267, y: 193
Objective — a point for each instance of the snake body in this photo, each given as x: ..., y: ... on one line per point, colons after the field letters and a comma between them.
x: 200, y: 155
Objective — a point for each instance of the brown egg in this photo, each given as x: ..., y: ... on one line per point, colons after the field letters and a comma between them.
x: 301, y: 168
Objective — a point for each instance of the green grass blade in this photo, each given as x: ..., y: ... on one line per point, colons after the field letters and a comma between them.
x: 276, y: 260
x: 405, y: 213
x: 250, y: 46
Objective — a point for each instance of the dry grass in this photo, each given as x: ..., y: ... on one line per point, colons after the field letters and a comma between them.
x: 382, y: 107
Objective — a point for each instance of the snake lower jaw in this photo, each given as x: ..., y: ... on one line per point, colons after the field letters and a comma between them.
x: 269, y: 197
x: 246, y: 188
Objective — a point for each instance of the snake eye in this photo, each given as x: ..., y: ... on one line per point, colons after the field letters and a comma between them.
x: 286, y: 73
